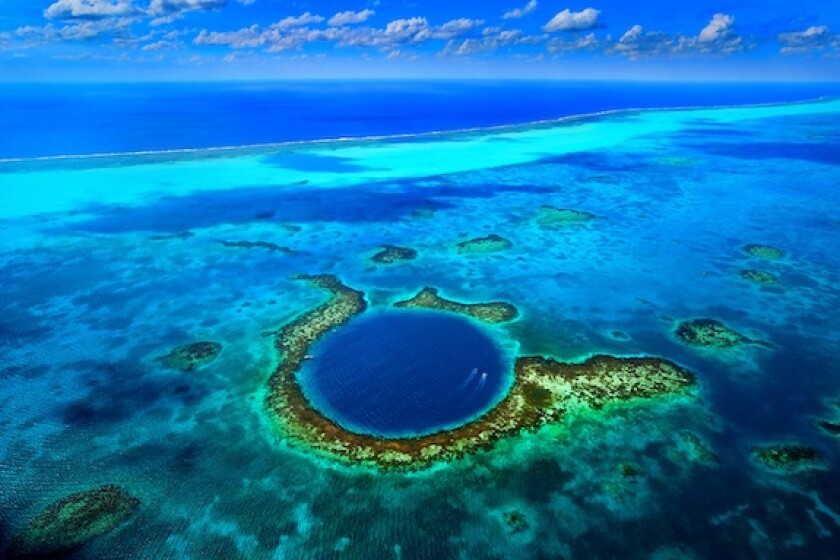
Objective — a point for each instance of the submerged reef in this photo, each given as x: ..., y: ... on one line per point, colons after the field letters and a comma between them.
x: 516, y: 521
x: 831, y: 428
x: 696, y: 449
x: 787, y: 456
x: 191, y: 356
x: 186, y: 234
x: 489, y: 244
x: 543, y: 390
x: 760, y: 277
x: 258, y: 245
x: 73, y: 521
x: 423, y: 213
x: 492, y: 312
x: 551, y: 217
x: 766, y: 252
x: 709, y: 333
x: 628, y: 470
x: 391, y: 254
x: 619, y: 335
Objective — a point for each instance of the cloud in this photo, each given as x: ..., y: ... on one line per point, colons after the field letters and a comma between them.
x: 588, y: 42
x: 718, y: 29
x: 493, y: 38
x: 568, y: 20
x: 517, y: 13
x: 88, y: 9
x: 76, y: 57
x: 158, y: 7
x: 719, y: 37
x: 636, y: 43
x: 400, y: 32
x: 82, y: 30
x: 349, y: 18
x: 292, y: 33
x: 397, y: 54
x: 158, y: 45
x: 167, y: 11
x: 249, y: 37
x: 455, y: 28
x: 298, y: 21
x: 818, y: 38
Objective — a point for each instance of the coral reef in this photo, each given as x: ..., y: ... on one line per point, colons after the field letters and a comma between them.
x: 166, y: 237
x: 73, y: 521
x: 787, y: 456
x: 423, y: 213
x: 489, y: 244
x: 601, y: 179
x: 709, y: 333
x: 543, y: 390
x: 831, y: 428
x: 391, y: 254
x: 551, y: 217
x: 619, y: 335
x: 766, y: 252
x: 515, y: 521
x: 760, y: 277
x: 191, y: 356
x: 258, y: 245
x: 492, y: 312
x: 628, y: 470
x: 696, y: 449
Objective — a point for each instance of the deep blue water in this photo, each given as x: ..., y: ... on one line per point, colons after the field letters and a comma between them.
x: 405, y: 373
x: 43, y: 120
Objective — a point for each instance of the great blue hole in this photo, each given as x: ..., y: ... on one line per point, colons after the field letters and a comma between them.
x: 399, y: 374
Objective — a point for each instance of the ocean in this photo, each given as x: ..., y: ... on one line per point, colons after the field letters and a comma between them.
x: 49, y: 120
x: 419, y: 320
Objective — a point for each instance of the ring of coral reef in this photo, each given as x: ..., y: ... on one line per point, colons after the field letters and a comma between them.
x: 543, y: 391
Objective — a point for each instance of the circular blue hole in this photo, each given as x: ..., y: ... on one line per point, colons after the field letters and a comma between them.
x: 400, y: 374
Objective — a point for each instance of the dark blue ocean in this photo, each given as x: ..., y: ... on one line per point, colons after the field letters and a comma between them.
x: 48, y: 120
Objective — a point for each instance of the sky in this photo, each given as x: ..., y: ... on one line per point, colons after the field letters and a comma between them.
x: 135, y: 40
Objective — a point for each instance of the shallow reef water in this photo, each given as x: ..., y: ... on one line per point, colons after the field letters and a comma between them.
x: 150, y: 304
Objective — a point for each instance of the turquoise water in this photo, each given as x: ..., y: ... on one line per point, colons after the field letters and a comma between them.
x: 107, y: 263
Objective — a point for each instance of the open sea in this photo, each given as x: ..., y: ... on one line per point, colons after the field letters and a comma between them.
x: 138, y: 220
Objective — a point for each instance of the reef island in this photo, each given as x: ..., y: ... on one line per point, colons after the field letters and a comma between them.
x: 543, y: 389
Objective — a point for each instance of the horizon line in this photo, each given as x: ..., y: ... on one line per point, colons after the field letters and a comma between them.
x: 693, y: 81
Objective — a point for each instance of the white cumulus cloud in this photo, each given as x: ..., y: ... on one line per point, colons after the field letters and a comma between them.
x: 88, y: 9
x: 568, y: 20
x: 718, y: 29
x: 719, y: 37
x: 588, y: 42
x: 350, y: 18
x: 817, y: 38
x: 298, y: 21
x: 179, y: 6
x: 517, y: 13
x: 492, y: 38
x: 294, y: 33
